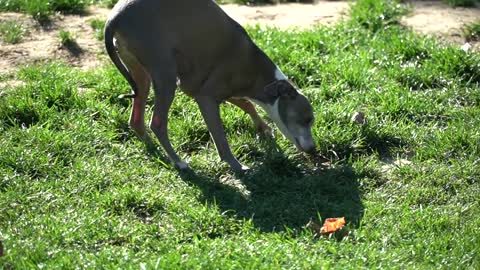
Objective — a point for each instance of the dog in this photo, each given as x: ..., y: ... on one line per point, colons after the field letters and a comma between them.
x: 195, y: 45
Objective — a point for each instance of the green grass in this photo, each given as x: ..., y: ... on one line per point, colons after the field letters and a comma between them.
x: 463, y: 3
x: 375, y: 15
x: 66, y: 37
x: 98, y: 25
x: 261, y: 1
x: 66, y: 6
x: 78, y: 189
x: 471, y: 31
x: 12, y: 32
x: 42, y: 10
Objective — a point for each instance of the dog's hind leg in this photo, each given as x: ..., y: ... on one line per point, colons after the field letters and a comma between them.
x: 164, y: 85
x: 248, y: 107
x: 142, y: 81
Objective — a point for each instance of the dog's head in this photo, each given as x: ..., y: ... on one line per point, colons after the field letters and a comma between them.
x: 292, y: 113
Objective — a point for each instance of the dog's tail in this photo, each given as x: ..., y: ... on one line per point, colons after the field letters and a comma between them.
x: 112, y: 52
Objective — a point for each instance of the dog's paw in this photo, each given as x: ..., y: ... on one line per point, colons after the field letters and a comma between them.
x: 245, y: 168
x: 241, y: 169
x: 181, y: 165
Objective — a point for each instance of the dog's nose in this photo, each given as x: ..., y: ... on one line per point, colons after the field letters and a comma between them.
x: 310, y: 150
x: 306, y: 145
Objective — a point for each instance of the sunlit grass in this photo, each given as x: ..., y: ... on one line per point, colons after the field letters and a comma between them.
x: 79, y: 190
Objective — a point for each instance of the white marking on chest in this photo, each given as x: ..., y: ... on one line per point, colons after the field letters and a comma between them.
x: 279, y: 75
x: 274, y: 114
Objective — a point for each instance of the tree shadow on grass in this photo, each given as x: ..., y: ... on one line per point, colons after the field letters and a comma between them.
x: 283, y: 193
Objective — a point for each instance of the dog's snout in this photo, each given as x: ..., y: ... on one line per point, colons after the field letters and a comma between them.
x: 310, y: 150
x: 305, y: 144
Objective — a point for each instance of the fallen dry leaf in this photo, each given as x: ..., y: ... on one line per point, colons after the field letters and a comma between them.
x: 332, y: 225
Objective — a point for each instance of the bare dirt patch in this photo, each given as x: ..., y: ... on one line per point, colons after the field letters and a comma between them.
x: 289, y: 15
x: 43, y: 43
x: 438, y: 19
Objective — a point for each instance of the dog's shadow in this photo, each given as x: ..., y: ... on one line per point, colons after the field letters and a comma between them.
x: 281, y: 194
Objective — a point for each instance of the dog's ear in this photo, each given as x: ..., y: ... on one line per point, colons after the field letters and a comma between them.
x: 281, y: 88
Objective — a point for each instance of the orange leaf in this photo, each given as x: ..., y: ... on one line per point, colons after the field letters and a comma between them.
x: 332, y: 225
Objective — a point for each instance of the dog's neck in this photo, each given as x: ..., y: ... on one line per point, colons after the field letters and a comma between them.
x: 261, y: 98
x: 266, y: 73
x: 263, y: 80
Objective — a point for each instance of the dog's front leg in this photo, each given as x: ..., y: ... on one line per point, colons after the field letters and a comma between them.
x: 211, y: 114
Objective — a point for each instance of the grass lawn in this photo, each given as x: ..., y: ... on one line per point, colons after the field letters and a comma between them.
x: 79, y: 190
